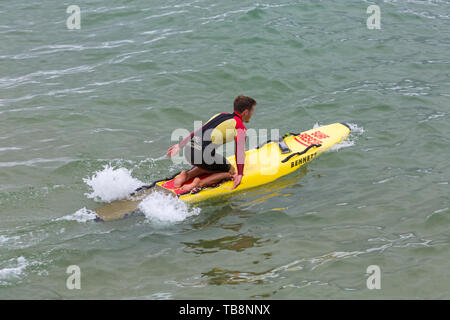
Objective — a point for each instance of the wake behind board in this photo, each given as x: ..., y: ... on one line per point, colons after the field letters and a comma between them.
x: 264, y: 164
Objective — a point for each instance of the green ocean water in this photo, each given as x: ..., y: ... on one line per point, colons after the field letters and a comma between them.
x: 112, y: 92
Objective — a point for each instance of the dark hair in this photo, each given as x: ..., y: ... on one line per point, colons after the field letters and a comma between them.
x: 242, y: 103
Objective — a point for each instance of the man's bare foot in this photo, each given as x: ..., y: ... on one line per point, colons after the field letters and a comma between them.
x: 192, y: 185
x: 180, y: 179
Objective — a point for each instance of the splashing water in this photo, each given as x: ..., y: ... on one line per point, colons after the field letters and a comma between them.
x: 111, y: 184
x: 350, y: 141
x: 13, y: 272
x: 163, y: 207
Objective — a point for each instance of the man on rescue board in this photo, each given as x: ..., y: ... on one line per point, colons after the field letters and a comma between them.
x: 200, y: 147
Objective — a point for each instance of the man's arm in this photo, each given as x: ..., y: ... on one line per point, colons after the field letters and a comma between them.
x: 176, y: 148
x: 239, y: 156
x: 240, y: 151
x: 185, y: 140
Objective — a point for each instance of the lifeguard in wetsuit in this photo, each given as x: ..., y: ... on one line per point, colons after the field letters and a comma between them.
x: 200, y: 147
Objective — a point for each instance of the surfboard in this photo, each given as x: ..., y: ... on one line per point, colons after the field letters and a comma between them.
x: 263, y: 165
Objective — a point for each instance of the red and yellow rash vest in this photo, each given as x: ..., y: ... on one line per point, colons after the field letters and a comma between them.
x: 220, y: 129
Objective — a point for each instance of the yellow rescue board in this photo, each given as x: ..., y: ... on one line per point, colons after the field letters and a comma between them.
x: 267, y: 163
x: 262, y: 165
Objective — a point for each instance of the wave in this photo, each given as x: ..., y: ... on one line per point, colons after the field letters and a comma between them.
x: 162, y: 207
x: 82, y: 215
x: 351, y: 140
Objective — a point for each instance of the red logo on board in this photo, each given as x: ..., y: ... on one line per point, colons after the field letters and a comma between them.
x: 307, y: 140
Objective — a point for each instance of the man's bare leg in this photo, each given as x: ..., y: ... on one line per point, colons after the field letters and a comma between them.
x: 188, y: 175
x: 210, y: 180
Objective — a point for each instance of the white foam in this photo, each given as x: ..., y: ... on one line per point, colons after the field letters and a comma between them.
x: 82, y: 215
x: 16, y: 271
x: 111, y: 184
x: 355, y: 129
x: 350, y: 141
x: 342, y: 144
x: 163, y: 207
x: 5, y: 239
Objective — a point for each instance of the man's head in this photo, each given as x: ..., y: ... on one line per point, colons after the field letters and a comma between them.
x: 245, y: 106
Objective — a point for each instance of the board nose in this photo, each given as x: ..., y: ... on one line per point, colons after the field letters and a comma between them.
x: 347, y: 125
